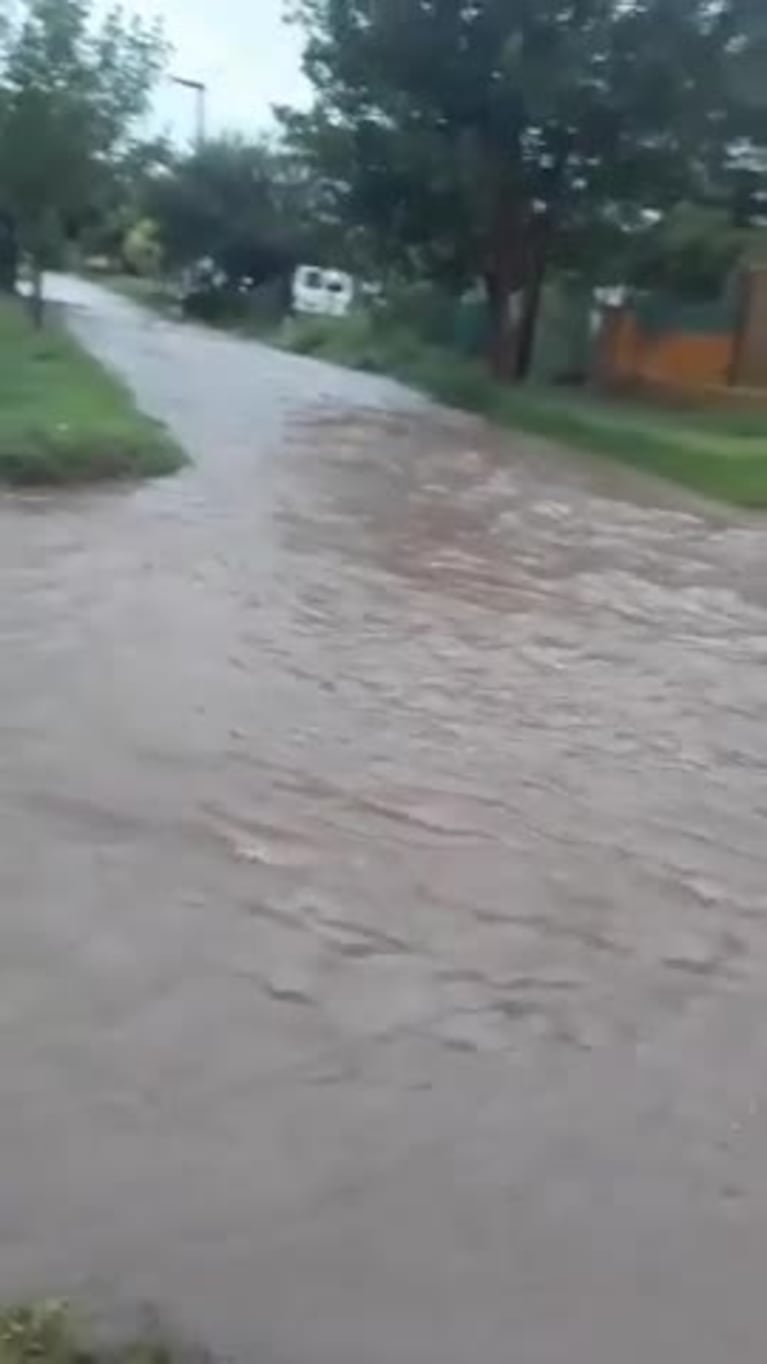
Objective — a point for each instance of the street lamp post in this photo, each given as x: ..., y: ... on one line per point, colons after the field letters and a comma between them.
x: 200, y: 92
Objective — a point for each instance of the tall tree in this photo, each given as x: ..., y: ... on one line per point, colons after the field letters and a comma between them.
x: 119, y: 201
x: 470, y: 135
x: 71, y: 91
x: 246, y: 205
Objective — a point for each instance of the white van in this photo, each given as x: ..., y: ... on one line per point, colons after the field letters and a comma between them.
x: 322, y: 293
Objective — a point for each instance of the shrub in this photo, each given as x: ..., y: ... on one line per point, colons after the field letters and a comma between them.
x: 47, y: 1333
x: 457, y: 383
x: 142, y: 249
x: 213, y: 305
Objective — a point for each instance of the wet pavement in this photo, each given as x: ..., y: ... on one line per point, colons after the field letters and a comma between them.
x: 383, y: 885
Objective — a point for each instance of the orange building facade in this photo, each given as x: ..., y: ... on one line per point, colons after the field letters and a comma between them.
x: 715, y: 354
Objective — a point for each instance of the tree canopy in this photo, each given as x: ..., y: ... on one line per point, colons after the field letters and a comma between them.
x: 477, y: 138
x: 248, y: 206
x: 71, y: 92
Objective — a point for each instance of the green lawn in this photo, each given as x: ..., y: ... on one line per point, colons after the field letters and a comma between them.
x: 49, y: 1333
x: 158, y: 294
x: 722, y: 455
x: 63, y: 419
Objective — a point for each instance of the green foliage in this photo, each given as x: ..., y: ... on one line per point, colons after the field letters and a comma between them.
x: 47, y: 1333
x: 721, y: 456
x: 42, y: 1333
x: 692, y: 252
x: 120, y: 199
x: 219, y: 193
x: 156, y: 294
x: 218, y: 307
x: 361, y: 341
x: 482, y: 140
x: 457, y: 383
x: 244, y: 205
x: 381, y: 344
x: 429, y: 312
x: 253, y: 311
x: 142, y: 250
x: 63, y: 419
x: 71, y: 90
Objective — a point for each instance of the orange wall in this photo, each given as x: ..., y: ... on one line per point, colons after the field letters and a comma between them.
x: 679, y: 359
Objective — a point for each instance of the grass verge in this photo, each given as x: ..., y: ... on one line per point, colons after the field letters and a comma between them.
x: 63, y: 419
x: 47, y: 1333
x: 721, y: 455
x: 159, y: 295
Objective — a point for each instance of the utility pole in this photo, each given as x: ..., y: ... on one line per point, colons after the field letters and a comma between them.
x: 200, y: 93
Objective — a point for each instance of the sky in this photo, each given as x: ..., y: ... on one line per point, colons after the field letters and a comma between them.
x: 243, y: 50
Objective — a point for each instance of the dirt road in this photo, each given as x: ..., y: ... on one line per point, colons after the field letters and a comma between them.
x: 383, y: 885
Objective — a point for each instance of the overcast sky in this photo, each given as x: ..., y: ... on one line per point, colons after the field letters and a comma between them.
x: 249, y: 58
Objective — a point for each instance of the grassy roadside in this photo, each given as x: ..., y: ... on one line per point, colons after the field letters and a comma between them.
x: 711, y: 453
x: 47, y: 1332
x: 63, y: 419
x: 157, y: 294
x: 721, y: 455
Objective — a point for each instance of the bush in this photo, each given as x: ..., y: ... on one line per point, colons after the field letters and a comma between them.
x: 212, y: 305
x: 307, y: 335
x: 46, y: 1333
x: 457, y: 383
x: 267, y: 304
x: 426, y: 311
x: 37, y: 457
x: 258, y: 309
x: 347, y: 341
x: 142, y: 249
x: 372, y: 342
x: 363, y: 341
x: 41, y: 1332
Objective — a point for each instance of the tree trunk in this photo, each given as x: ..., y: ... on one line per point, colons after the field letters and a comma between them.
x: 505, y: 274
x: 36, y: 297
x: 531, y: 311
x: 9, y: 254
x: 502, y: 341
x: 542, y: 231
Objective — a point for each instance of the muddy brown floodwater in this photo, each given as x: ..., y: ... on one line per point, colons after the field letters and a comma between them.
x: 383, y: 885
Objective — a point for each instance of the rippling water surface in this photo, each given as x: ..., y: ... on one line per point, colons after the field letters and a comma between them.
x: 383, y: 879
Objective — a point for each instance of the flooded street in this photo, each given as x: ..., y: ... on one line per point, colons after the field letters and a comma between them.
x: 383, y: 885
